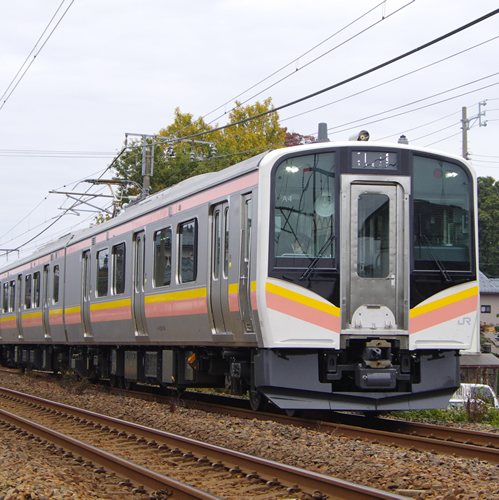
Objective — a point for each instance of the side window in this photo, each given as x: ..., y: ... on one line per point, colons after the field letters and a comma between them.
x: 119, y: 269
x: 102, y: 272
x: 12, y: 296
x: 188, y: 251
x: 55, y: 294
x: 27, y: 292
x: 5, y: 303
x: 163, y: 257
x: 36, y: 289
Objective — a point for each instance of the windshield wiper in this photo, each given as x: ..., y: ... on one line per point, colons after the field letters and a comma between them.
x: 314, y: 263
x: 433, y: 255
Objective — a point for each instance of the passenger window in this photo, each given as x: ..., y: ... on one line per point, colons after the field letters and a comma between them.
x: 188, y: 251
x: 102, y: 272
x: 119, y: 269
x: 55, y: 294
x: 162, y: 257
x: 27, y: 292
x: 5, y: 303
x: 36, y: 289
x: 12, y: 296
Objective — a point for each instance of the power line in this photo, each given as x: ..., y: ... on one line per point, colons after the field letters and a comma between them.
x: 391, y: 80
x: 362, y: 120
x: 34, y: 56
x: 353, y: 78
x: 313, y: 60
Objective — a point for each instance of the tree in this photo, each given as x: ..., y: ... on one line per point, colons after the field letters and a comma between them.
x: 176, y: 159
x: 296, y: 139
x: 488, y: 230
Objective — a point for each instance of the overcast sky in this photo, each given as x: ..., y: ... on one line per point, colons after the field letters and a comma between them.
x: 112, y: 67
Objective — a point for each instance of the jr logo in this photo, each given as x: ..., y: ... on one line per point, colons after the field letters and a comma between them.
x: 464, y: 321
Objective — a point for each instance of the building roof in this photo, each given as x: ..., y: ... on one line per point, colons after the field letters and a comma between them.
x: 483, y: 360
x: 488, y: 285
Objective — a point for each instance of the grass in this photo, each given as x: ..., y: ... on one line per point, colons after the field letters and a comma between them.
x: 472, y: 414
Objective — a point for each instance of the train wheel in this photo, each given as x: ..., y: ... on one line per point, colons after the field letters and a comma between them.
x: 257, y: 400
x: 129, y: 384
x: 116, y: 381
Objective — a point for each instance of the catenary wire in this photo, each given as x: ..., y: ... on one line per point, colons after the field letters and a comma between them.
x: 352, y: 78
x: 34, y: 57
x: 316, y: 59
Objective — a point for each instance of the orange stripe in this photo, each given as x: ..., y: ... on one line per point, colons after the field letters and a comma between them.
x: 73, y: 318
x: 443, y: 314
x: 112, y: 314
x: 303, y: 312
x: 184, y: 307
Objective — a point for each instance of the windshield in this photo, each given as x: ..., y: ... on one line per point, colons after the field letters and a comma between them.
x: 441, y: 193
x: 304, y: 207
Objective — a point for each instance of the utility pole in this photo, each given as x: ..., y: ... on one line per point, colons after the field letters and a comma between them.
x: 464, y: 121
x: 467, y: 124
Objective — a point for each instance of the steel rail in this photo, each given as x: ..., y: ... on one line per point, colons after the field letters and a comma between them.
x: 266, y: 470
x: 435, y: 439
x: 123, y: 467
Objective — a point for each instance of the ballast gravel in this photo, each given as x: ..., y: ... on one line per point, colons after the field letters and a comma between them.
x: 28, y: 471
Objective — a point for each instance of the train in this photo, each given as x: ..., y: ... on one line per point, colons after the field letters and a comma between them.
x: 325, y: 276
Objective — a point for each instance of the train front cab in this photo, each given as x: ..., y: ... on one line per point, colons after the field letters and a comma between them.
x: 371, y: 289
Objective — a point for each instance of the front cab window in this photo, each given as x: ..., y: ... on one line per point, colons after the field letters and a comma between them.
x: 304, y: 211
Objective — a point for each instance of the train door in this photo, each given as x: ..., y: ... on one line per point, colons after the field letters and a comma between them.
x: 219, y: 277
x: 19, y: 309
x: 138, y: 296
x: 45, y: 302
x: 245, y: 276
x: 86, y: 292
x: 376, y: 268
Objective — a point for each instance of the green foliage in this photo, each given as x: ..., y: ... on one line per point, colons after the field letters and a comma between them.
x: 232, y: 146
x: 473, y: 412
x: 488, y: 235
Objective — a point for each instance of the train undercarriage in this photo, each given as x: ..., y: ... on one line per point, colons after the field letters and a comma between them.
x: 371, y: 375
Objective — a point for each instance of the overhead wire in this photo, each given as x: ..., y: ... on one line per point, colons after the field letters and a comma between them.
x: 322, y: 55
x: 34, y: 56
x: 362, y: 120
x: 58, y: 218
x: 352, y: 78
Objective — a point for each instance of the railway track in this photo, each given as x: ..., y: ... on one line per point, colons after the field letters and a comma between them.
x: 411, y: 435
x: 415, y: 436
x: 167, y: 463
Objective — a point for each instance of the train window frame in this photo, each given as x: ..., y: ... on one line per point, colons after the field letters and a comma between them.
x: 36, y: 290
x: 158, y: 268
x: 28, y: 286
x: 55, y: 284
x: 327, y: 264
x: 119, y: 269
x: 182, y: 270
x: 101, y: 280
x: 5, y: 296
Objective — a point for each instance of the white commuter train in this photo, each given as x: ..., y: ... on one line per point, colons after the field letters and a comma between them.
x: 325, y: 276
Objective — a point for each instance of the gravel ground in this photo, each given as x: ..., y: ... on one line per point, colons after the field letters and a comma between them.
x: 415, y: 475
